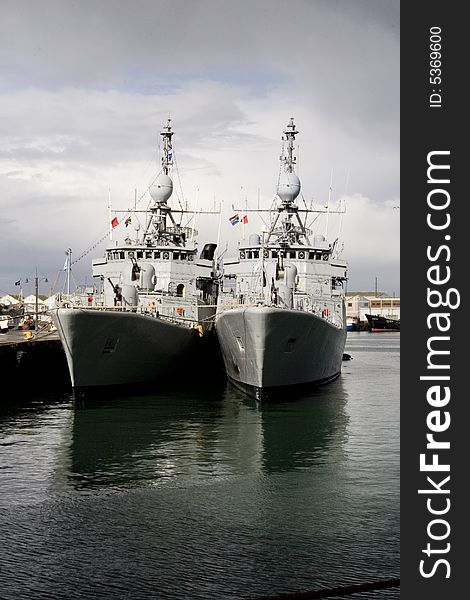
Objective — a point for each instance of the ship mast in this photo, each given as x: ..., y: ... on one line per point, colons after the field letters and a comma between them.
x: 289, y: 136
x: 288, y: 188
x: 167, y: 157
x: 161, y: 191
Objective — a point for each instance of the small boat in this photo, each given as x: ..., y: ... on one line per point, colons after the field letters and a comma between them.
x: 378, y: 323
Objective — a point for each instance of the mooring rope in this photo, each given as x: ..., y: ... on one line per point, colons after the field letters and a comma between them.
x: 343, y: 590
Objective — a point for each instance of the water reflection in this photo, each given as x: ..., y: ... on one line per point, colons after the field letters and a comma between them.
x: 140, y: 440
x: 310, y: 430
x: 129, y: 441
x: 135, y: 441
x: 217, y: 496
x: 34, y: 440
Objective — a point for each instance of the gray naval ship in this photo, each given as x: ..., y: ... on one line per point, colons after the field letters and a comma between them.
x: 281, y: 313
x: 158, y: 301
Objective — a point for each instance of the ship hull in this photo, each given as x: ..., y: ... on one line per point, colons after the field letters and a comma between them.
x: 106, y: 348
x: 379, y: 323
x: 266, y: 350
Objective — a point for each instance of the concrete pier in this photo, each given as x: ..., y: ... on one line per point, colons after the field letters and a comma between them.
x: 32, y: 360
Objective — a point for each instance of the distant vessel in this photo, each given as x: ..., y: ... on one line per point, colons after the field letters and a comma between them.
x: 281, y: 318
x: 378, y: 323
x: 158, y: 302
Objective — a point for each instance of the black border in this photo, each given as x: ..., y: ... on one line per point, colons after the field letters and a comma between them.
x: 424, y: 129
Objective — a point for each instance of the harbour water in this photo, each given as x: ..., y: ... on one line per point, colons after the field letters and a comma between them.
x: 204, y: 494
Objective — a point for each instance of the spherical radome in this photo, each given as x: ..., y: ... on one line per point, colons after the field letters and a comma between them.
x: 162, y: 188
x: 289, y: 186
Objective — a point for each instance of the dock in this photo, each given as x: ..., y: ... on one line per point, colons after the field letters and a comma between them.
x: 33, y: 359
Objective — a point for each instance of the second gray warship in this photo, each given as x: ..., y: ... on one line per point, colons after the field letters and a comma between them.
x: 281, y: 317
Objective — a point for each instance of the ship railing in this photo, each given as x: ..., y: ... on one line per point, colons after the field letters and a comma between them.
x: 330, y: 314
x: 128, y: 308
x: 158, y: 312
x: 238, y: 304
x: 328, y: 309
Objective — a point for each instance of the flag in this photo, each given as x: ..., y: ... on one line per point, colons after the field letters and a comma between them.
x: 245, y: 220
x: 127, y: 221
x: 66, y: 264
x: 114, y: 222
x: 18, y: 282
x: 170, y: 156
x: 234, y: 220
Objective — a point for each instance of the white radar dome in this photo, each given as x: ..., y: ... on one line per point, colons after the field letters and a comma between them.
x: 289, y: 187
x: 162, y: 188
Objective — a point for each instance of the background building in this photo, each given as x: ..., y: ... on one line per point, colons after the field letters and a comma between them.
x: 373, y: 303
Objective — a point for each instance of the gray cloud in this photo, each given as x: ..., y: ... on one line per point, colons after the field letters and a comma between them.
x: 87, y: 85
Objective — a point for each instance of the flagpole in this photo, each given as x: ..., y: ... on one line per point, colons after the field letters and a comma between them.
x: 109, y: 215
x: 243, y: 218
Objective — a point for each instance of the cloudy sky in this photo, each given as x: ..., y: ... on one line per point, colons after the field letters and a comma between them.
x: 85, y: 87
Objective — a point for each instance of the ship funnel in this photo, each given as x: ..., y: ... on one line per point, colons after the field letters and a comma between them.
x: 254, y: 239
x: 161, y: 189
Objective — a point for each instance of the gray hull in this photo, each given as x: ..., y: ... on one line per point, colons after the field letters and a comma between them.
x: 267, y: 348
x: 106, y: 348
